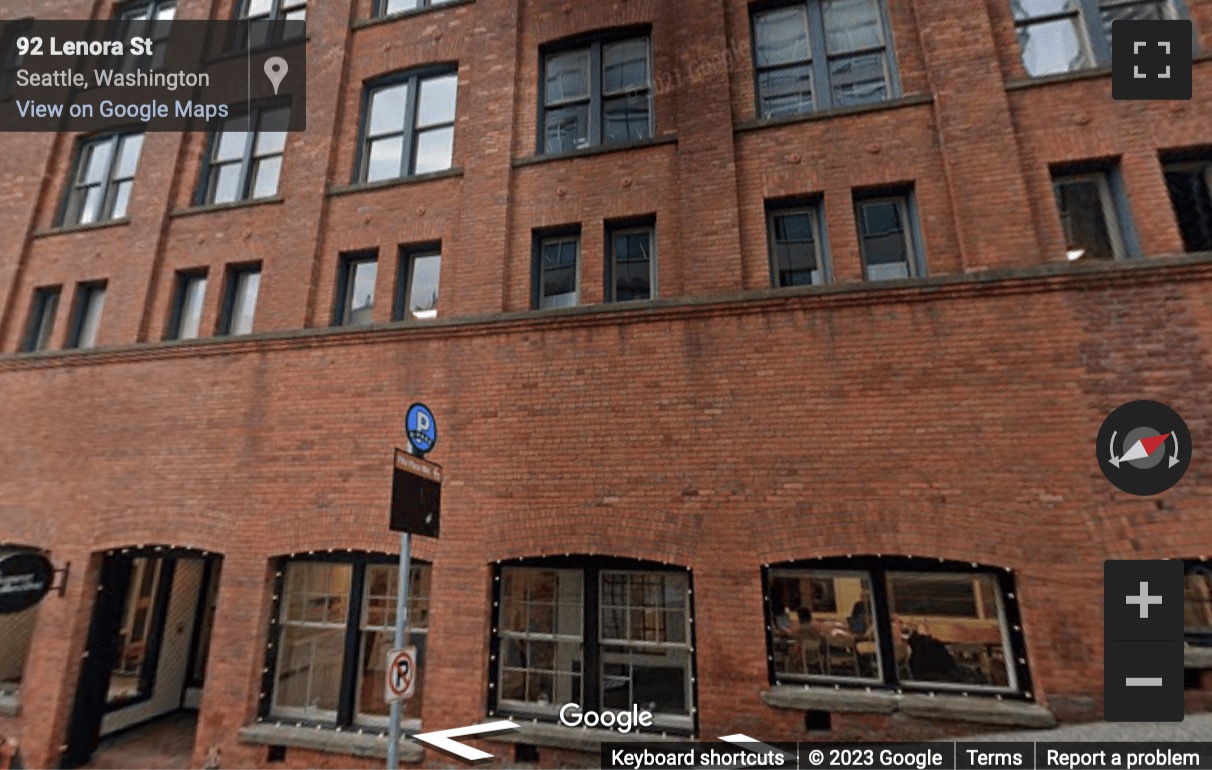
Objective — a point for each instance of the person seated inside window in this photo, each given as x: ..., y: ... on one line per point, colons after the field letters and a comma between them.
x: 859, y: 621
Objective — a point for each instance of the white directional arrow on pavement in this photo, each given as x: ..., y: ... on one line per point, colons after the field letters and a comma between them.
x: 441, y: 739
x: 754, y: 745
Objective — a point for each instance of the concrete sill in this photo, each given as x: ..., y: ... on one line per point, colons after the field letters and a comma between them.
x: 1197, y: 657
x: 958, y: 708
x: 328, y: 741
x: 589, y: 152
x: 10, y: 704
x: 905, y: 100
x: 68, y: 229
x: 346, y: 189
x: 576, y: 738
x: 211, y: 208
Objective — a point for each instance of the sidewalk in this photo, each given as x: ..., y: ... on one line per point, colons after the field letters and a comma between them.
x: 1196, y: 727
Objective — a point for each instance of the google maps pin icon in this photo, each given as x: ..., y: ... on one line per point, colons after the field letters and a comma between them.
x: 275, y: 70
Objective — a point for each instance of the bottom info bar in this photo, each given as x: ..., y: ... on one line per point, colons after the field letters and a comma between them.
x: 909, y: 756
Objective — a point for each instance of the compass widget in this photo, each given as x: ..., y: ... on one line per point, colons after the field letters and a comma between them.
x: 1144, y: 448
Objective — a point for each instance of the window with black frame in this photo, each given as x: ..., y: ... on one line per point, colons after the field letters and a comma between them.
x: 557, y: 270
x: 596, y: 94
x: 149, y: 19
x: 603, y: 634
x: 1189, y: 182
x: 1197, y: 603
x: 264, y: 22
x: 86, y: 314
x: 1090, y: 213
x: 895, y: 622
x: 10, y: 55
x: 631, y: 268
x: 334, y: 624
x: 1058, y: 36
x: 796, y: 252
x: 821, y: 54
x: 887, y: 228
x: 41, y: 323
x: 103, y: 178
x: 408, y: 125
x: 392, y: 7
x: 245, y: 157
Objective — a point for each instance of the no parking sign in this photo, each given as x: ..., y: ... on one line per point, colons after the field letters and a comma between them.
x: 401, y: 675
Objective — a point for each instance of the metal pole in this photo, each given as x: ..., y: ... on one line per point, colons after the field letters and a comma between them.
x: 393, y: 738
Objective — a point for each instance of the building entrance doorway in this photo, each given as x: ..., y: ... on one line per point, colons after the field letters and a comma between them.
x: 147, y: 645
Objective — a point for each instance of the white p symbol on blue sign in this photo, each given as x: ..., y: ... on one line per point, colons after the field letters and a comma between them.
x: 422, y: 428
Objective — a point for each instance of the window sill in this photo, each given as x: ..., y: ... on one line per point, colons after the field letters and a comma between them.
x: 347, y: 189
x: 1197, y: 657
x: 211, y: 208
x: 378, y: 20
x: 1091, y: 73
x: 10, y: 704
x: 576, y: 738
x: 958, y: 708
x: 605, y: 149
x: 328, y: 740
x: 82, y: 228
x: 908, y: 100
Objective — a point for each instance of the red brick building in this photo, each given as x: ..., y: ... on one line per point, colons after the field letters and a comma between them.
x: 768, y: 342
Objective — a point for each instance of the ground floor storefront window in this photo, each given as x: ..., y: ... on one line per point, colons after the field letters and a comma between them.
x: 895, y: 622
x: 334, y: 624
x: 1197, y: 603
x: 16, y: 632
x: 603, y: 634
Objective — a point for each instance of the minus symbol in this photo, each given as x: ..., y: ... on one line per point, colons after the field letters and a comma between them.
x: 1143, y: 681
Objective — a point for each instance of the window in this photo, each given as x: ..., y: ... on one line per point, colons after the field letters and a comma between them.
x: 556, y: 273
x: 820, y: 55
x: 356, y: 289
x: 240, y: 299
x: 41, y: 319
x: 1068, y: 35
x: 1197, y: 603
x: 597, y: 95
x: 796, y: 254
x: 631, y: 270
x: 187, y: 305
x: 16, y: 634
x: 1190, y: 185
x: 893, y: 622
x: 10, y: 56
x: 392, y: 7
x: 246, y: 164
x: 598, y: 634
x: 86, y: 316
x: 146, y: 18
x: 1089, y: 215
x: 335, y: 624
x: 266, y: 21
x: 409, y: 127
x: 886, y: 238
x: 104, y: 175
x: 417, y: 294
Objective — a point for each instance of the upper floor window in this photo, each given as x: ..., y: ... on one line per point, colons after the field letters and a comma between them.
x: 41, y: 319
x: 796, y: 253
x: 408, y: 126
x: 103, y: 178
x: 245, y: 164
x: 356, y: 289
x: 392, y: 7
x: 600, y: 94
x: 1068, y: 35
x: 1190, y: 186
x: 86, y: 316
x: 557, y: 271
x: 10, y: 55
x: 188, y: 299
x: 1091, y: 215
x: 240, y: 299
x: 417, y: 294
x: 265, y: 21
x: 631, y: 269
x: 335, y: 625
x: 821, y: 54
x: 895, y: 622
x: 151, y: 19
x: 887, y: 237
x: 595, y: 633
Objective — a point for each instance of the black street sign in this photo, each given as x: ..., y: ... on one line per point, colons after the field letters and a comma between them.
x: 416, y: 495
